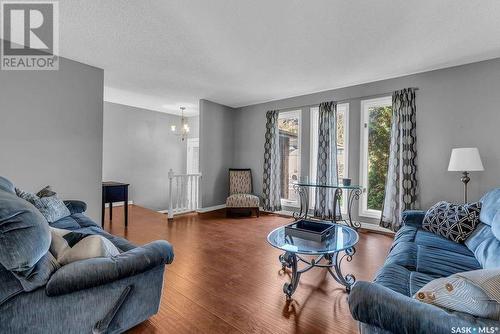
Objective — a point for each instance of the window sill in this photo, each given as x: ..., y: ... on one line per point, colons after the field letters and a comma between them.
x: 290, y: 204
x: 371, y: 214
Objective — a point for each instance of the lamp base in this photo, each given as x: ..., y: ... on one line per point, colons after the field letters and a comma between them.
x: 465, y: 179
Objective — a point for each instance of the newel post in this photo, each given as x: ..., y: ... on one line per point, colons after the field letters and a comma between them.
x: 170, y: 201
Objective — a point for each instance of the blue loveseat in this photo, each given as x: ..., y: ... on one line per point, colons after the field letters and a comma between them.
x: 99, y: 295
x: 417, y: 257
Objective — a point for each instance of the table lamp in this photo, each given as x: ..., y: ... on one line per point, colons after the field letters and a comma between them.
x: 465, y: 160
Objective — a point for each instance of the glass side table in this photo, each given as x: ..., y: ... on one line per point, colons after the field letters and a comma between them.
x: 328, y: 254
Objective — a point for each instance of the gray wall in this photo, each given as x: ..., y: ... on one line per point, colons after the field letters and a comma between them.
x: 139, y: 149
x: 456, y: 107
x: 216, y: 151
x: 51, y: 131
x: 194, y: 126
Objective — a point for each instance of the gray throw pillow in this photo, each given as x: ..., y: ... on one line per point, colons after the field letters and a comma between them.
x: 474, y: 292
x: 46, y: 192
x: 452, y: 221
x: 52, y: 208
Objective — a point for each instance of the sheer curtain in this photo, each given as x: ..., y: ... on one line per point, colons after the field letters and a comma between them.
x: 326, y: 171
x: 272, y: 164
x: 401, y: 188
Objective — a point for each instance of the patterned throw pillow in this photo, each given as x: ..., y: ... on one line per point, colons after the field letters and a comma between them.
x: 68, y: 246
x: 452, y: 221
x: 51, y: 207
x: 474, y: 292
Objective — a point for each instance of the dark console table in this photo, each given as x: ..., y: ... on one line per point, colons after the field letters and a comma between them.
x: 114, y: 192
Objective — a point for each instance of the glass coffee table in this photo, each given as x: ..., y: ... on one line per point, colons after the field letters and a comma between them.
x: 327, y: 254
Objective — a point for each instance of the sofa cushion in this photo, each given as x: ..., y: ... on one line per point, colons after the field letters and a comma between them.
x: 401, y: 279
x: 10, y: 286
x: 24, y: 242
x: 406, y: 233
x: 452, y: 221
x: 6, y: 185
x: 490, y: 207
x: 24, y: 233
x: 486, y: 247
x: 242, y: 201
x: 425, y: 252
x: 430, y: 260
x: 435, y: 261
x: 425, y: 238
x: 491, y: 214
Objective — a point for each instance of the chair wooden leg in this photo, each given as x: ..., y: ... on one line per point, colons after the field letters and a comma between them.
x: 257, y: 212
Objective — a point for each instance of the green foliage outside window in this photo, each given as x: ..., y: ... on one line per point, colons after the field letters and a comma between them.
x: 379, y: 138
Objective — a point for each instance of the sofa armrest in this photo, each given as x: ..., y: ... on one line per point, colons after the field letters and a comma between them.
x: 90, y: 273
x: 76, y: 206
x: 413, y: 217
x: 379, y: 306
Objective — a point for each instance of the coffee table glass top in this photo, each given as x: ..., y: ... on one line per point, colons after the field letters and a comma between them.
x: 343, y: 238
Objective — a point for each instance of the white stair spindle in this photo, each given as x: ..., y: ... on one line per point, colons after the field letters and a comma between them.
x: 170, y: 194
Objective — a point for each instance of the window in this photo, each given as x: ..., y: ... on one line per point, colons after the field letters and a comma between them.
x: 342, y: 145
x: 289, y: 129
x: 375, y: 141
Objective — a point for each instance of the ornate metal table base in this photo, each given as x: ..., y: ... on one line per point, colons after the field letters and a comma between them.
x: 331, y: 262
x: 353, y: 194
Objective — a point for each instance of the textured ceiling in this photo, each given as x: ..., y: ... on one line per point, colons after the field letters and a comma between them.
x: 163, y: 54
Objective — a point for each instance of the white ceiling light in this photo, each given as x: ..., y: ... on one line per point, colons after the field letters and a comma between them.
x: 183, y: 131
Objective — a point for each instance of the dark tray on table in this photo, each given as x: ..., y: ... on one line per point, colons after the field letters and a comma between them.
x: 310, y: 230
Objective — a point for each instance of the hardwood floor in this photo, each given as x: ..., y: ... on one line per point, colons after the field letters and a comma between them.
x: 225, y: 278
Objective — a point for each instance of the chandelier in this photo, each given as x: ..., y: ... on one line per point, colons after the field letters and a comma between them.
x: 183, y: 130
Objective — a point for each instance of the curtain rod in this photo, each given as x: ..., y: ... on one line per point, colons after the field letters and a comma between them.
x: 347, y: 99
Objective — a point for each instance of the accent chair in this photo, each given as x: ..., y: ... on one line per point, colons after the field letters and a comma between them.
x: 240, y: 197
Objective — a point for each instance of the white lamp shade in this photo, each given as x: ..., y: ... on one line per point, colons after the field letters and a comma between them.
x: 465, y: 159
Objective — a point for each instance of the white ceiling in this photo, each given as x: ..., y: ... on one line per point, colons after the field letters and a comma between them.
x: 162, y: 54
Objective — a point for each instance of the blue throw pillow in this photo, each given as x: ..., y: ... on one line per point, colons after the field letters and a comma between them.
x: 452, y: 221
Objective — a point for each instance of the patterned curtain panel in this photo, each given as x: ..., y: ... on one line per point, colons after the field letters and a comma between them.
x: 401, y: 189
x: 272, y: 164
x: 327, y: 172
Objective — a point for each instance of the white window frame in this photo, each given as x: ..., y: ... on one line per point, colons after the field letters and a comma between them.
x: 363, y: 159
x: 290, y: 114
x: 314, y: 111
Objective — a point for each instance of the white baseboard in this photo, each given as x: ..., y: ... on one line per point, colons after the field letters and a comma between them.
x: 375, y: 227
x: 201, y: 210
x: 118, y: 204
x: 211, y: 208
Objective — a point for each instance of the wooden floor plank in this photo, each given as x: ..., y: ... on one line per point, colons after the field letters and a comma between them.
x: 226, y: 278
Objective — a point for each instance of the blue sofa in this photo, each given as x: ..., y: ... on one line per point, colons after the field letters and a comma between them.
x: 417, y: 257
x: 99, y: 295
